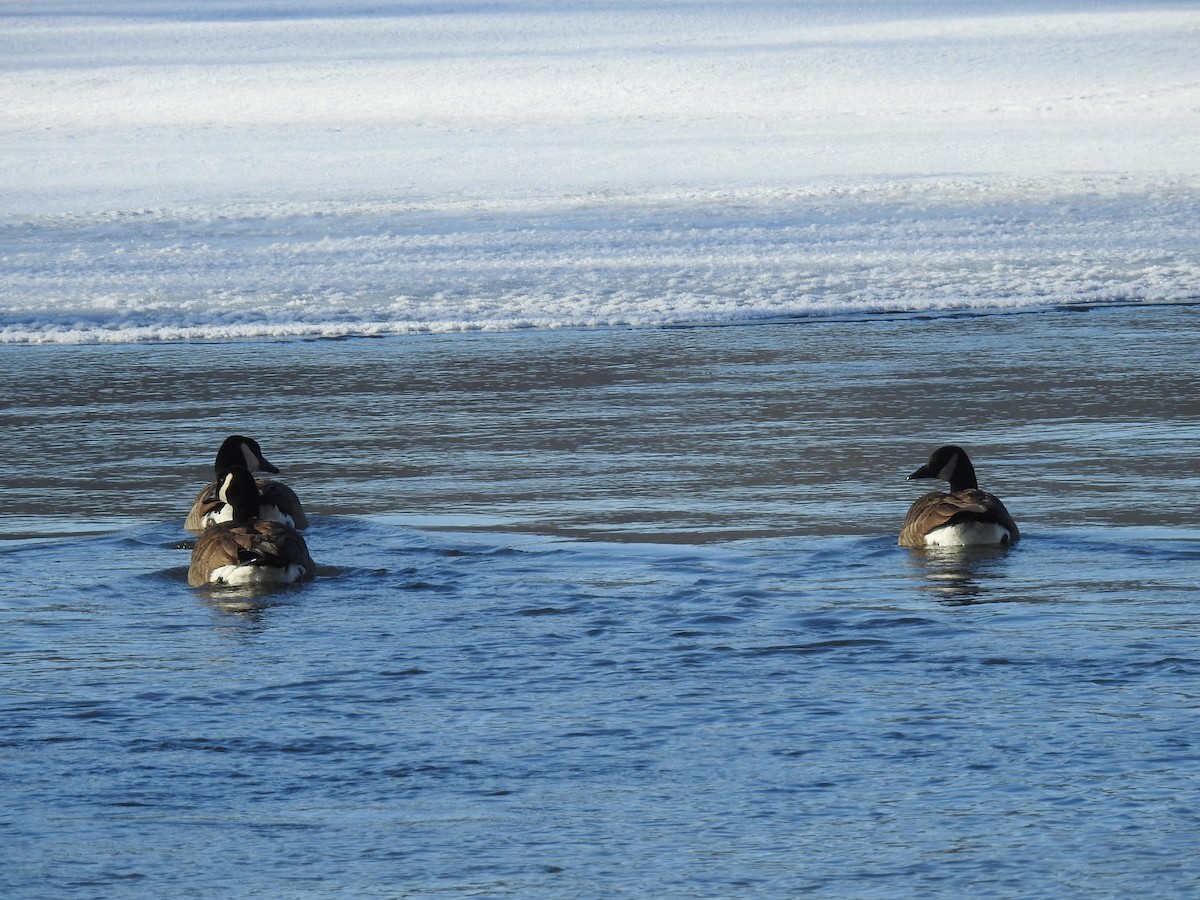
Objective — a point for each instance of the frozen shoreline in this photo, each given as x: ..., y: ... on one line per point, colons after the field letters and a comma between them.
x: 330, y: 270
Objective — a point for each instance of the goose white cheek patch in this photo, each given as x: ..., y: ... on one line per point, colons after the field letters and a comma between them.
x: 251, y: 459
x: 948, y: 469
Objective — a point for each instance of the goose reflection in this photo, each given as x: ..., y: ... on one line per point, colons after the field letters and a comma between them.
x: 961, y: 575
x: 251, y: 604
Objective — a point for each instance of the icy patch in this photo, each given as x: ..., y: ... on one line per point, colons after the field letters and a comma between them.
x: 338, y: 269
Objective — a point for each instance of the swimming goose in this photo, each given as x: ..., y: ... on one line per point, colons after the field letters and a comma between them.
x: 278, y: 501
x: 248, y: 550
x: 966, y: 516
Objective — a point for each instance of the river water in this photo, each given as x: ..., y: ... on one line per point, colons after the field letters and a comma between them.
x: 611, y: 612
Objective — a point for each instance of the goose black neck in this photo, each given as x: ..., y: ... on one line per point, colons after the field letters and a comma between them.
x: 240, y: 491
x: 963, y: 476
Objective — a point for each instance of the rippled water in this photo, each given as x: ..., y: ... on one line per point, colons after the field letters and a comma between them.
x: 611, y: 613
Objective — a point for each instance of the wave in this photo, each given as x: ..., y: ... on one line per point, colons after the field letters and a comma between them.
x: 279, y: 271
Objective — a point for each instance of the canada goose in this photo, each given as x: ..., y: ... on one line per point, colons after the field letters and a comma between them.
x: 248, y: 550
x: 277, y: 500
x: 965, y: 516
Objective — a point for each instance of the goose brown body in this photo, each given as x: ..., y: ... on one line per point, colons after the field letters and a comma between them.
x: 964, y: 516
x: 248, y: 549
x: 277, y: 500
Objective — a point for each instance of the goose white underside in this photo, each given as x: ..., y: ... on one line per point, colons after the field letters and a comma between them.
x: 224, y: 513
x: 255, y: 575
x: 968, y: 534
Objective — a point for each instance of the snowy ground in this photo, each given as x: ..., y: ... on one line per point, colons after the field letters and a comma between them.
x: 165, y: 166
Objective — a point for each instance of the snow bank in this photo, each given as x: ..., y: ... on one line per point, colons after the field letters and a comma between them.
x: 200, y: 169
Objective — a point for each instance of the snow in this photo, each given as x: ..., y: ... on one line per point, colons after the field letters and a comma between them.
x: 187, y: 169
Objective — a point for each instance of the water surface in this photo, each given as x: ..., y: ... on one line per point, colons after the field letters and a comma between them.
x: 611, y: 612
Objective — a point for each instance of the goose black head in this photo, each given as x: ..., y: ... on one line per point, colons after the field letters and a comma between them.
x: 237, y: 450
x: 949, y: 463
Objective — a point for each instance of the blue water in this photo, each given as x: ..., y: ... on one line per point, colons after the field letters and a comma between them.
x: 611, y: 613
